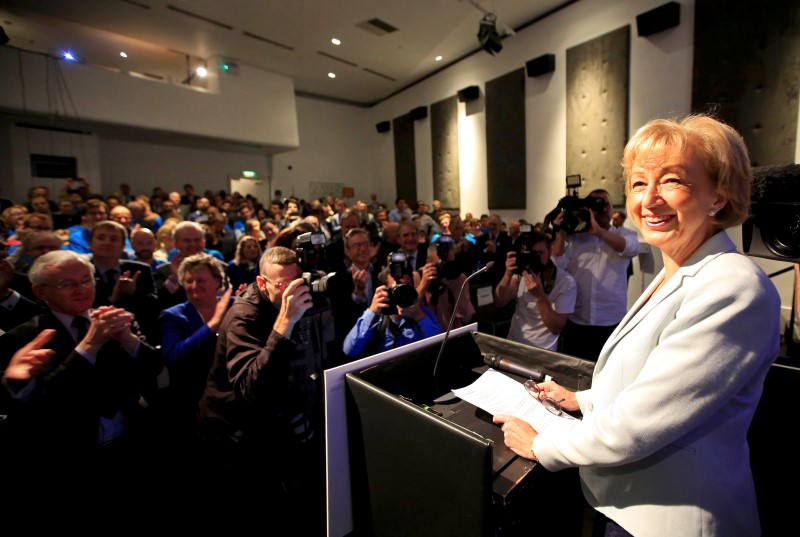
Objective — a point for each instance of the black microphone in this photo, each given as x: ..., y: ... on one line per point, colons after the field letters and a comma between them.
x: 488, y: 266
x: 512, y: 366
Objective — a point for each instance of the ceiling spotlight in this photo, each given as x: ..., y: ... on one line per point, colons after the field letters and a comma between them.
x: 69, y: 57
x: 123, y: 54
x: 438, y: 58
x: 336, y: 41
x: 331, y: 75
x: 201, y: 71
x: 488, y: 36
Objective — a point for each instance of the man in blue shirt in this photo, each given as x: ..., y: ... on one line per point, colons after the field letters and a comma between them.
x: 384, y: 326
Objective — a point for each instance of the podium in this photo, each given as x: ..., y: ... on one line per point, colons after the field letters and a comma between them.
x: 425, y: 464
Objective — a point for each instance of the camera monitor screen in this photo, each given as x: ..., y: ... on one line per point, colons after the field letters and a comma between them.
x: 573, y: 181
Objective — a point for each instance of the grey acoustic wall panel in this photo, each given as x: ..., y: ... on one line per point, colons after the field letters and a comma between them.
x: 505, y: 141
x: 444, y: 147
x: 747, y: 71
x: 405, y: 160
x: 597, y: 111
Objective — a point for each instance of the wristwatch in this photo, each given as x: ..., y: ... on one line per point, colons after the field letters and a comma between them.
x: 533, y: 455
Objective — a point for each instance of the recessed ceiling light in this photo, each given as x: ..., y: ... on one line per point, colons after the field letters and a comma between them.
x: 331, y: 75
x: 201, y: 71
x: 438, y: 58
x: 68, y: 56
x: 336, y: 41
x: 123, y: 54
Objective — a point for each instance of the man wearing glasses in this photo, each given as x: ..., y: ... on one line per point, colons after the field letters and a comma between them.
x: 253, y: 414
x: 100, y: 375
x: 351, y: 290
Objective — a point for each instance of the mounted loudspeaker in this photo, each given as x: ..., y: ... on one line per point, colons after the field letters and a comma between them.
x: 420, y: 112
x: 546, y: 63
x: 469, y: 93
x: 658, y: 19
x: 383, y: 126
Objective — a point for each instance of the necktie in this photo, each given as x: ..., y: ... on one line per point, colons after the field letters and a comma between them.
x: 111, y: 277
x: 81, y: 324
x: 411, y: 264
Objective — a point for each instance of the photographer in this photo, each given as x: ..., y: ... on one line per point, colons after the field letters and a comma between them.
x: 598, y: 259
x: 545, y: 295
x: 395, y: 317
x: 444, y: 283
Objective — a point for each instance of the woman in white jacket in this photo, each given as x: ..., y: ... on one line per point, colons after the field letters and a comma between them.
x: 662, y: 446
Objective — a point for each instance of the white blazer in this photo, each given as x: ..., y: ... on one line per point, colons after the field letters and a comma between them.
x: 663, y: 441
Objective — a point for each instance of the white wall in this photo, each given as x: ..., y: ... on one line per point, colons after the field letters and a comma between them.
x: 333, y: 149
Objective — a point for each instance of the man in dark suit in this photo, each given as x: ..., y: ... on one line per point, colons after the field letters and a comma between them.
x: 335, y: 254
x: 408, y: 239
x: 351, y: 289
x: 14, y: 308
x: 100, y: 371
x: 493, y: 246
x: 120, y: 282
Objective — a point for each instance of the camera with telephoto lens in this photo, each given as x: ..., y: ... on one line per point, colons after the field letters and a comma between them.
x: 526, y: 258
x: 400, y: 294
x: 445, y: 269
x: 576, y: 210
x: 310, y: 250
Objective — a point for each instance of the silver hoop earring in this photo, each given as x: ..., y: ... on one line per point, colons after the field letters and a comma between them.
x: 712, y: 212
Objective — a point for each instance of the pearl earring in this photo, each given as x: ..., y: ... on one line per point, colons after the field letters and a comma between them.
x: 712, y: 212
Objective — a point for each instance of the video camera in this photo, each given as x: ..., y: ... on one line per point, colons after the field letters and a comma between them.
x: 310, y: 250
x: 400, y: 294
x: 576, y: 210
x: 446, y: 269
x: 526, y: 258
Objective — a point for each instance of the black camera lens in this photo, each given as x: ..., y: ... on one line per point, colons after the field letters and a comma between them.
x: 404, y: 295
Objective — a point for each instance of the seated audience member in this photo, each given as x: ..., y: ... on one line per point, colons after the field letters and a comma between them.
x: 144, y: 246
x: 245, y: 213
x: 120, y: 282
x: 545, y: 294
x: 15, y: 309
x: 335, y: 254
x: 220, y: 239
x: 101, y: 371
x: 33, y: 246
x: 408, y: 241
x: 164, y: 238
x: 189, y: 336
x: 13, y: 218
x: 442, y: 280
x: 67, y: 216
x: 32, y: 223
x: 189, y: 238
x: 269, y: 230
x: 351, y: 289
x: 381, y: 327
x: 96, y: 211
x: 143, y: 216
x: 243, y: 269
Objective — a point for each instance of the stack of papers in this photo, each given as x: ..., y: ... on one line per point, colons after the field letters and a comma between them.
x: 498, y: 394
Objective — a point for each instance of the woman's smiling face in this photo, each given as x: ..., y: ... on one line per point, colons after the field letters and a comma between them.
x: 669, y: 199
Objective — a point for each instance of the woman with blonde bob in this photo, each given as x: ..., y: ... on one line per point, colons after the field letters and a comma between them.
x: 662, y: 446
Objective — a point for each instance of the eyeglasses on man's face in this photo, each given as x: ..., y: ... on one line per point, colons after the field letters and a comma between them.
x: 71, y: 285
x: 552, y: 406
x: 279, y: 285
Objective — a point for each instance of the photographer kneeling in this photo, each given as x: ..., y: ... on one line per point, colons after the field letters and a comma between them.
x: 395, y: 317
x: 545, y: 295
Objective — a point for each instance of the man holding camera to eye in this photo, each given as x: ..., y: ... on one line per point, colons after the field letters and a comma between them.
x: 597, y: 256
x: 395, y: 317
x: 545, y: 295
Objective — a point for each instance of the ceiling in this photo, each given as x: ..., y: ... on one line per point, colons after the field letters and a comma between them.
x: 167, y: 39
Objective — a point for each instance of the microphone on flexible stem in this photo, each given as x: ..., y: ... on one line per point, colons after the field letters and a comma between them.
x: 488, y: 266
x: 512, y: 366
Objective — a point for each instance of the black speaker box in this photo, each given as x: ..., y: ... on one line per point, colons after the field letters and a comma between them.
x: 420, y: 112
x: 469, y: 93
x: 383, y: 126
x: 658, y: 19
x: 546, y: 63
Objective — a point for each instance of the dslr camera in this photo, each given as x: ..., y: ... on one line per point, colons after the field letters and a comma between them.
x: 445, y: 269
x: 576, y: 210
x: 400, y: 294
x: 527, y: 259
x: 310, y: 250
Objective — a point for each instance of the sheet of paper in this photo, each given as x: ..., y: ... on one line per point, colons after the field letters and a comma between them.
x: 498, y: 394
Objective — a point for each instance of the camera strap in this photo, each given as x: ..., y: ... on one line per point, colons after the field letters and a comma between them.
x: 550, y: 282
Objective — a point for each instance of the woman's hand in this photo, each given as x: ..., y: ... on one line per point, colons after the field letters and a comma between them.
x: 223, y: 303
x: 553, y: 390
x: 518, y: 435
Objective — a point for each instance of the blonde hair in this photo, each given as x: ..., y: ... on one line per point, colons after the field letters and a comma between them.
x: 718, y: 146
